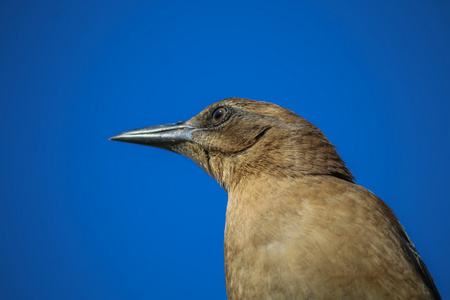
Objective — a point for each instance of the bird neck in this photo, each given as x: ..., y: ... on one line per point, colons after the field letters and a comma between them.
x: 282, y: 155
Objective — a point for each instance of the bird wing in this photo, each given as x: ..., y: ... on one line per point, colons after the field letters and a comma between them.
x: 418, y: 263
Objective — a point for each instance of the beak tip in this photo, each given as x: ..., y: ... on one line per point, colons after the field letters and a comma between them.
x: 115, y: 138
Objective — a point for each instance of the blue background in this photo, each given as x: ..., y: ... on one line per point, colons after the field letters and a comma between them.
x: 85, y: 218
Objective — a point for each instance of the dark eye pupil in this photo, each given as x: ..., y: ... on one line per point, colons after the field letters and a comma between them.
x: 218, y: 114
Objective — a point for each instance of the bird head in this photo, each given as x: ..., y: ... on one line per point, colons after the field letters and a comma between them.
x: 236, y: 139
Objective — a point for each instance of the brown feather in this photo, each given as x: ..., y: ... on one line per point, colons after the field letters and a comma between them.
x: 297, y: 226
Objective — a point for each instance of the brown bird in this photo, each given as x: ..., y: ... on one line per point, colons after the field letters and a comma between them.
x: 297, y: 226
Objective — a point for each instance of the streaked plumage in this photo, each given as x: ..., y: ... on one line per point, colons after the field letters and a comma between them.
x: 297, y: 226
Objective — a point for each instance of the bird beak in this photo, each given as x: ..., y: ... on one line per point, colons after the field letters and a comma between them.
x: 166, y: 136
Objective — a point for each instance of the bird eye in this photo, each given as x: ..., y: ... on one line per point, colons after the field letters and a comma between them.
x: 218, y: 114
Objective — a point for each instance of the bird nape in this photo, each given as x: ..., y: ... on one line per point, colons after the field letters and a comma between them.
x: 297, y: 226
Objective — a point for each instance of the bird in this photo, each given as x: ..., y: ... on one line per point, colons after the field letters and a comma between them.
x: 297, y: 225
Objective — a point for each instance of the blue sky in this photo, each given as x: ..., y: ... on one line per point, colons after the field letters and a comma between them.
x: 85, y: 218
